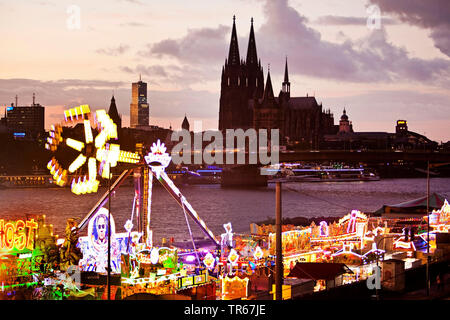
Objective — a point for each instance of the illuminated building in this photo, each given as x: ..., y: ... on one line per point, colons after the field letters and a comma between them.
x: 139, y: 109
x: 25, y: 122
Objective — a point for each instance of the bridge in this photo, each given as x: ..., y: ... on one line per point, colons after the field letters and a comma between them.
x: 371, y: 156
x: 246, y: 173
x: 365, y: 156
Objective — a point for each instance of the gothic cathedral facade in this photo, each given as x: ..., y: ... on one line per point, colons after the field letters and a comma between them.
x: 247, y: 102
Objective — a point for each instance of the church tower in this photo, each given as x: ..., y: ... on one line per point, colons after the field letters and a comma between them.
x: 285, y: 93
x: 241, y: 81
x: 114, y: 114
x: 345, y: 126
x: 231, y: 98
x: 185, y: 125
x: 267, y: 113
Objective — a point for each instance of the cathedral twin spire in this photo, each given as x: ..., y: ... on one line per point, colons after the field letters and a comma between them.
x: 252, y: 59
x: 233, y: 54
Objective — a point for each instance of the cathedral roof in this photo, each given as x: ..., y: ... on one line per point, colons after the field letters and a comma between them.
x: 302, y: 103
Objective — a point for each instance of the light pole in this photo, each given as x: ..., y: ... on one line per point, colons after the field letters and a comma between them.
x: 428, y: 228
x: 278, y: 245
x: 108, y: 280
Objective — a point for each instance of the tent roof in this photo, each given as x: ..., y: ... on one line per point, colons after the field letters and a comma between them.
x: 436, y: 201
x: 318, y: 271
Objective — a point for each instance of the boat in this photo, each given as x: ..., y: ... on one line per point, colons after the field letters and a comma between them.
x: 328, y: 174
x: 210, y: 175
x: 26, y: 181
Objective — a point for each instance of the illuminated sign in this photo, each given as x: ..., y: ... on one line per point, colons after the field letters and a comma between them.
x: 233, y: 257
x: 200, y: 279
x: 16, y: 236
x: 95, y: 245
x: 286, y: 292
x: 158, y: 159
x: 209, y: 260
x: 187, y: 281
x: 192, y: 281
x: 234, y: 288
x: 258, y: 254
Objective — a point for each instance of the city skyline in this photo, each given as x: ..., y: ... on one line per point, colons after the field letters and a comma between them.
x: 400, y: 71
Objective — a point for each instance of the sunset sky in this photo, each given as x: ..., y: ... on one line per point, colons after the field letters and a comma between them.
x: 399, y: 71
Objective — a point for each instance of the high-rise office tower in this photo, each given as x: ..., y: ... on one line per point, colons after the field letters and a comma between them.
x: 139, y: 109
x: 26, y: 122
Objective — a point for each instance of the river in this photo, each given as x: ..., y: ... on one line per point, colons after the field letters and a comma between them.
x: 217, y: 206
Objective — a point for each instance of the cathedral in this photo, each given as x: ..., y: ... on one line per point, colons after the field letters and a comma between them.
x: 246, y: 101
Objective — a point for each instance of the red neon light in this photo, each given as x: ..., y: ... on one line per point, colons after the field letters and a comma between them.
x: 14, y: 236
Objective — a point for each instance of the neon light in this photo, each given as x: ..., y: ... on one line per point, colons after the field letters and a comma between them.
x: 154, y: 256
x: 78, y: 162
x: 158, y: 159
x: 149, y: 210
x: 234, y: 288
x: 404, y: 245
x: 14, y: 236
x: 233, y: 257
x: 258, y: 254
x: 92, y: 166
x: 20, y: 241
x: 88, y: 138
x: 75, y: 144
x: 209, y: 260
x: 227, y: 237
x: 323, y: 229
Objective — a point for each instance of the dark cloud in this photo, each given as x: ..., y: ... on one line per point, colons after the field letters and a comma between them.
x: 286, y: 32
x: 114, y: 51
x: 199, y: 46
x: 371, y: 59
x: 151, y: 71
x: 348, y: 21
x: 430, y: 14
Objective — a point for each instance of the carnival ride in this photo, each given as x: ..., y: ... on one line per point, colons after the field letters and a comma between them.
x: 101, y: 155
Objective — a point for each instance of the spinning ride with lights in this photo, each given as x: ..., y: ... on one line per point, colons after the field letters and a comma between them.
x: 100, y: 155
